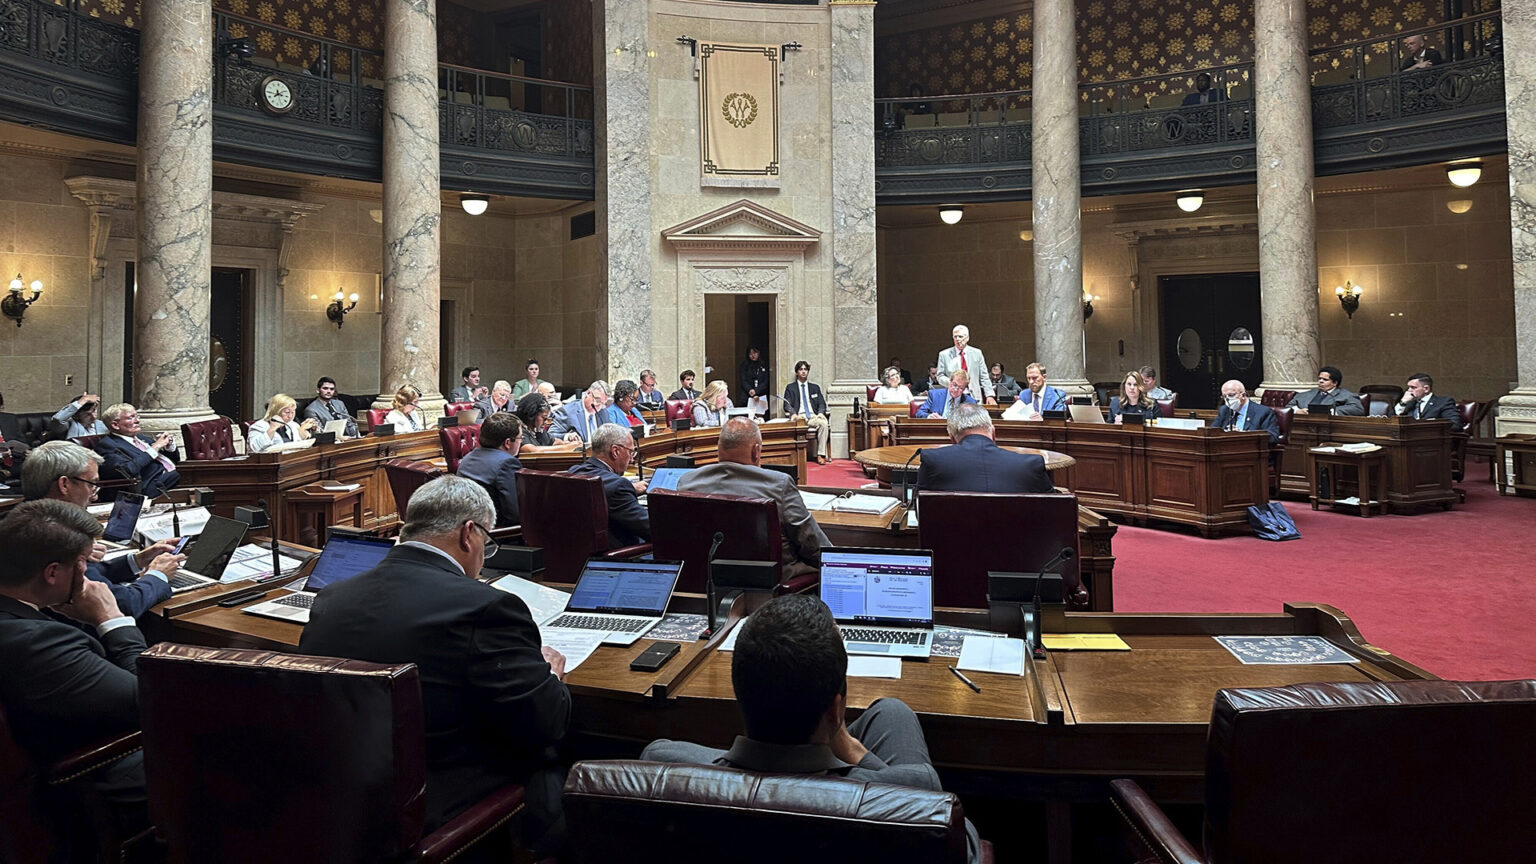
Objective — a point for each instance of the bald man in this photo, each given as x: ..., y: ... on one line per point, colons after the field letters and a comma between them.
x: 1240, y: 414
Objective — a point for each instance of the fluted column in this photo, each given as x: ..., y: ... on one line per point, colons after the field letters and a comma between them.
x: 175, y: 214
x: 1517, y: 411
x: 1056, y: 167
x: 1287, y: 219
x: 408, y: 349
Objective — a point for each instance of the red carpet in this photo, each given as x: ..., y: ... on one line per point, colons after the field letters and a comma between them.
x: 1439, y: 589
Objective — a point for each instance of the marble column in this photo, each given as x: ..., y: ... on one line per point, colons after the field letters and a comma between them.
x: 1055, y: 163
x: 855, y: 325
x: 175, y: 214
x: 1517, y: 410
x: 1287, y: 219
x: 408, y: 348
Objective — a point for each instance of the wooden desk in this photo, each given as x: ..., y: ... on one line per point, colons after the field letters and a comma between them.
x: 891, y: 458
x: 1370, y: 479
x: 1522, y: 450
x: 785, y: 442
x: 1418, y: 456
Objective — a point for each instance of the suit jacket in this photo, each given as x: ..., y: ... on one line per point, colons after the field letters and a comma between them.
x: 1007, y: 389
x: 323, y: 412
x: 1051, y: 398
x: 572, y: 417
x: 491, y: 706
x: 1345, y: 403
x: 1211, y: 96
x: 682, y: 393
x: 1438, y: 408
x: 653, y: 401
x: 792, y: 396
x: 119, y: 456
x: 802, y: 538
x: 981, y: 380
x: 1430, y: 54
x: 1115, y: 410
x: 134, y: 594
x: 628, y: 520
x: 937, y: 398
x: 1259, y: 417
x: 752, y: 375
x: 64, y: 424
x: 977, y: 464
x: 496, y: 470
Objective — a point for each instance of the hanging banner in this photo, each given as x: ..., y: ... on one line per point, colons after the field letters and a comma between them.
x: 739, y: 104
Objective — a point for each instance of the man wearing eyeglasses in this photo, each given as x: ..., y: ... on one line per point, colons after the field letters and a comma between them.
x: 493, y: 696
x: 613, y: 449
x: 1328, y: 396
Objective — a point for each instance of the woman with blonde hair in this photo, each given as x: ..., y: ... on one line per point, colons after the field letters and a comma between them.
x: 710, y: 408
x: 277, y: 426
x: 405, y: 410
x: 1133, y: 399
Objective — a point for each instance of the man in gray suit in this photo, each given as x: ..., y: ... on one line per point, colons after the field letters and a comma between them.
x: 1330, y: 394
x: 326, y: 407
x: 738, y: 473
x: 967, y: 357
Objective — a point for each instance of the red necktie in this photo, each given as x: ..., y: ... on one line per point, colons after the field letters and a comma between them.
x: 962, y: 361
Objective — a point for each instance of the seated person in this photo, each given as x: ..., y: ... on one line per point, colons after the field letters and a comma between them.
x: 942, y: 400
x: 325, y: 407
x: 550, y: 394
x: 1204, y: 94
x: 1420, y: 402
x: 710, y: 408
x: 534, y: 412
x: 686, y: 391
x: 494, y: 464
x: 789, y: 671
x: 471, y: 390
x: 1040, y: 396
x: 583, y: 416
x: 893, y: 391
x: 623, y: 410
x: 612, y: 451
x: 530, y: 382
x: 277, y: 426
x: 930, y: 383
x: 650, y: 398
x: 739, y: 473
x: 1133, y: 399
x: 1328, y: 394
x: 802, y: 398
x: 79, y: 417
x: 405, y: 410
x: 1006, y: 387
x: 1149, y: 376
x: 499, y: 399
x: 1238, y: 413
x: 152, y: 461
x: 974, y: 463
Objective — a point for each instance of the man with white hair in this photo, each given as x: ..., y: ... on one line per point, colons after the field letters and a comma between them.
x: 583, y: 415
x: 968, y: 357
x: 613, y: 449
x: 150, y: 460
x: 974, y: 463
x: 1238, y: 413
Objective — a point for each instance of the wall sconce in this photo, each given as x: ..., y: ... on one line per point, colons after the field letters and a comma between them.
x: 949, y: 214
x: 1088, y: 304
x: 1027, y: 235
x: 1459, y: 206
x: 1463, y: 174
x: 1349, y: 298
x: 337, y: 312
x: 473, y: 204
x: 15, y: 303
x: 1190, y: 200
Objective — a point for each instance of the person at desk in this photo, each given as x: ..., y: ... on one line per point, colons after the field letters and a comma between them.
x: 1040, y: 396
x: 405, y: 410
x: 1133, y: 399
x: 1420, y: 402
x: 649, y: 398
x: 623, y: 410
x: 804, y: 399
x: 79, y: 417
x: 534, y: 412
x: 612, y: 451
x: 1330, y: 394
x: 710, y: 408
x: 942, y: 401
x: 277, y: 426
x: 1149, y: 376
x: 583, y: 416
x: 325, y: 407
x: 493, y: 697
x: 471, y: 390
x: 686, y: 391
x: 974, y: 463
x: 1004, y: 385
x: 1238, y: 413
x: 530, y: 381
x: 739, y: 473
x: 494, y: 464
x: 893, y: 391
x: 152, y: 461
x: 790, y: 675
x: 500, y: 399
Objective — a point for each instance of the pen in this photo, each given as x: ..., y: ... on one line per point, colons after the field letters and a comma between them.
x: 968, y: 682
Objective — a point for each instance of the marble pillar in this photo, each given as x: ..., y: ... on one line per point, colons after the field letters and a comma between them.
x: 408, y: 349
x: 1055, y: 163
x: 175, y: 214
x: 1287, y: 218
x: 855, y: 326
x: 626, y: 240
x: 1517, y: 410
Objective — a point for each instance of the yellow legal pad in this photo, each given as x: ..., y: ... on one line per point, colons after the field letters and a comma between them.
x: 1084, y: 642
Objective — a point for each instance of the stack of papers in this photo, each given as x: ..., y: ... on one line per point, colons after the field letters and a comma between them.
x: 817, y: 500
x: 871, y: 504
x: 576, y: 645
x: 162, y: 526
x: 253, y: 561
x: 544, y: 604
x: 1360, y: 447
x: 992, y: 654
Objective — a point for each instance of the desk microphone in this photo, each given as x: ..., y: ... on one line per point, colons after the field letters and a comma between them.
x: 1066, y: 554
x: 277, y: 561
x: 709, y: 582
x: 908, y: 495
x: 789, y: 410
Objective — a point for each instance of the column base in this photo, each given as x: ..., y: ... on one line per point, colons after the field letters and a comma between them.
x: 1517, y: 413
x: 1070, y: 386
x: 1298, y: 386
x: 169, y: 420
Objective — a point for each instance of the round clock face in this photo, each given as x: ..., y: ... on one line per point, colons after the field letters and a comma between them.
x: 276, y: 95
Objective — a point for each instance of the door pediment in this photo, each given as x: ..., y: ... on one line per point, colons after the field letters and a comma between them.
x: 743, y: 225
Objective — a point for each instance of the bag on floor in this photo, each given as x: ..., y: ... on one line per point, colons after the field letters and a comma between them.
x: 1271, y: 522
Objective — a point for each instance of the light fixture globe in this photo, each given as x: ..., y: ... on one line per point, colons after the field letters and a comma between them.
x: 474, y: 204
x: 1190, y: 200
x: 951, y: 213
x: 1463, y: 174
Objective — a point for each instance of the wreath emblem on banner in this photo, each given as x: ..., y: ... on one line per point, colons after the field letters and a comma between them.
x: 740, y: 109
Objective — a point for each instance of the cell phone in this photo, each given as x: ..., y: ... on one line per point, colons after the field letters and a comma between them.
x: 655, y: 657
x: 180, y: 545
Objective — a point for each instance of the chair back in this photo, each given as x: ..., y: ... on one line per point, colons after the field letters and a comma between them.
x: 405, y: 477
x: 1472, y: 416
x: 1375, y: 405
x: 677, y: 409
x: 1277, y: 398
x: 1166, y: 407
x: 683, y: 526
x: 1380, y: 771
x: 209, y: 439
x: 1283, y: 420
x: 376, y: 417
x: 30, y: 428
x: 784, y: 817
x: 346, y: 774
x: 457, y: 441
x: 566, y: 515
x: 452, y: 409
x: 1388, y: 393
x: 914, y: 405
x: 869, y: 392
x: 1024, y: 532
x: 24, y: 836
x: 89, y: 442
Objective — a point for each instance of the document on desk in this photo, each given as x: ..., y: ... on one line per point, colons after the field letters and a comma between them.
x: 992, y: 654
x: 860, y: 666
x: 1084, y: 642
x: 162, y: 525
x: 543, y: 602
x: 730, y: 638
x: 817, y: 500
x: 254, y: 561
x: 576, y: 645
x: 870, y: 504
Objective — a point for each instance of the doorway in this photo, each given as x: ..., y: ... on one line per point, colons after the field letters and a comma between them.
x: 229, y: 379
x: 447, y: 343
x: 732, y: 324
x: 1210, y: 335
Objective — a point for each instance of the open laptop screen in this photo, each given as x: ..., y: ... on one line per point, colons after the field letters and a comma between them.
x: 125, y: 515
x: 878, y: 586
x: 625, y: 587
x: 345, y: 557
x: 209, y: 553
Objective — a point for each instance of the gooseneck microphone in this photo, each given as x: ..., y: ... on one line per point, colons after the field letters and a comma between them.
x: 908, y: 493
x: 709, y: 583
x: 1035, y: 643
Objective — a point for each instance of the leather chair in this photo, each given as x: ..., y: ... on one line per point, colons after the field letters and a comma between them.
x: 452, y: 409
x: 645, y: 812
x: 1277, y: 398
x: 973, y: 533
x: 1277, y: 449
x: 1472, y: 416
x: 1166, y: 407
x: 209, y: 439
x: 31, y: 428
x: 869, y: 393
x: 405, y: 477
x: 914, y: 405
x: 566, y: 515
x: 677, y: 409
x: 457, y: 441
x: 1375, y: 405
x: 328, y: 761
x: 683, y: 526
x: 376, y: 417
x: 1388, y: 393
x: 1380, y: 771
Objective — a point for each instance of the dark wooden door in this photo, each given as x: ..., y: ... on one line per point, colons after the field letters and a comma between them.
x: 227, y: 367
x: 1210, y: 335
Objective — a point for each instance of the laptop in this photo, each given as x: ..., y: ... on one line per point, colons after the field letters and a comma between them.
x: 344, y: 556
x: 1086, y: 413
x: 666, y: 478
x: 625, y: 599
x: 336, y: 427
x: 882, y: 599
x: 209, y: 554
x: 125, y: 515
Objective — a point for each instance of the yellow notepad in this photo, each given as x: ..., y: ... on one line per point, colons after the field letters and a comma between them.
x: 1084, y: 642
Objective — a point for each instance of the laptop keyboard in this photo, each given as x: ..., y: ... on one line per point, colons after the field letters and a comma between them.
x: 297, y: 601
x: 180, y: 580
x: 890, y: 637
x: 599, y: 622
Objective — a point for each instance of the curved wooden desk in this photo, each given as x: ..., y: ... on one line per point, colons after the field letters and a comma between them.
x: 892, y: 458
x: 784, y: 443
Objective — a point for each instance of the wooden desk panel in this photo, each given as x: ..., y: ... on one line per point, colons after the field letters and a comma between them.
x: 784, y: 443
x: 1418, y: 455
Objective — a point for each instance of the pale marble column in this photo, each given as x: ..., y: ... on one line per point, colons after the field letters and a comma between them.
x: 175, y: 215
x: 854, y: 322
x: 626, y: 241
x: 1055, y: 164
x: 1517, y: 411
x: 408, y: 349
x: 1287, y: 219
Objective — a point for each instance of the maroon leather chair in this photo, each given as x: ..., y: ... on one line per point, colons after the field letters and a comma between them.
x: 869, y: 392
x: 405, y: 477
x: 677, y: 409
x: 683, y: 526
x: 1388, y: 393
x: 972, y: 533
x: 452, y: 409
x: 643, y: 812
x: 566, y: 515
x: 1380, y: 771
x: 1375, y: 405
x: 209, y: 439
x: 914, y: 405
x: 376, y: 416
x: 457, y: 441
x: 330, y: 763
x: 1166, y: 407
x: 1277, y: 398
x: 1471, y: 415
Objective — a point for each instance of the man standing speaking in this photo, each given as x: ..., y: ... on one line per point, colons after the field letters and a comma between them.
x: 965, y: 356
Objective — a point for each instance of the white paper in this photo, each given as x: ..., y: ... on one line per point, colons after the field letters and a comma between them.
x: 1021, y: 410
x: 869, y: 504
x: 992, y: 654
x: 860, y: 666
x: 576, y: 645
x: 730, y: 638
x: 817, y: 500
x: 1176, y: 423
x: 911, y: 518
x: 160, y: 527
x: 253, y: 561
x: 544, y: 602
x: 758, y: 405
x: 99, y: 510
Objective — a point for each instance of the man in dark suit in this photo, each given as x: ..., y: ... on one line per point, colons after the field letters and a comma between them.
x: 1419, y: 402
x: 68, y: 656
x: 1238, y: 413
x: 151, y: 460
x: 1204, y: 94
x: 804, y: 399
x: 325, y: 407
x: 974, y: 463
x: 494, y: 464
x: 613, y: 448
x: 1417, y: 56
x: 685, y: 393
x: 494, y: 698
